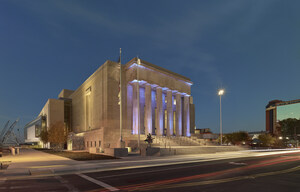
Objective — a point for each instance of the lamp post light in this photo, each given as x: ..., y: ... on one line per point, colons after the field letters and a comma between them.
x: 220, y: 93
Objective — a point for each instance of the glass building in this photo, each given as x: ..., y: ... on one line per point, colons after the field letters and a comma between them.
x: 278, y: 110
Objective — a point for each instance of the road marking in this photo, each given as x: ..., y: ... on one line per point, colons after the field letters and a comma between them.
x: 234, y: 163
x: 100, y: 183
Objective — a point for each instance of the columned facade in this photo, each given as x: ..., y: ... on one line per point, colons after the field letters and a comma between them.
x: 178, y: 115
x: 170, y: 113
x: 148, y: 109
x: 136, y: 116
x: 163, y: 112
x: 186, y: 113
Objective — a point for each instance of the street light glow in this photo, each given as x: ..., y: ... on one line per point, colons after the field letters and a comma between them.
x: 221, y: 92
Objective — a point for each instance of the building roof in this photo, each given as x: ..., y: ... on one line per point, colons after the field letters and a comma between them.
x: 33, y: 122
x: 155, y: 67
x: 274, y: 103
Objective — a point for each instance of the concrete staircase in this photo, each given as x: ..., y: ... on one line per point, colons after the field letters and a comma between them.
x: 181, y: 145
x: 181, y: 141
x: 172, y: 141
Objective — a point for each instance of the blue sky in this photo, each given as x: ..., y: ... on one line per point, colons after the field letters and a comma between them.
x: 250, y: 48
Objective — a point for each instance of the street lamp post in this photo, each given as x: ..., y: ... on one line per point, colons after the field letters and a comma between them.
x: 220, y: 93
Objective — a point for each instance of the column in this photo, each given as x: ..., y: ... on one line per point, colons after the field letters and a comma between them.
x: 148, y: 110
x: 186, y: 113
x: 169, y: 113
x: 135, y: 115
x: 159, y: 112
x: 178, y: 115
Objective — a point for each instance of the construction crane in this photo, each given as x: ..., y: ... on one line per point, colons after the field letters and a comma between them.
x: 4, y: 130
x: 9, y: 135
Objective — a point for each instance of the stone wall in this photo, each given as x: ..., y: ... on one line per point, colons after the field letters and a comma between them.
x: 54, y: 111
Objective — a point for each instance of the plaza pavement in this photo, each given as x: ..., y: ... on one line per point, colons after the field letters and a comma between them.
x: 32, y: 163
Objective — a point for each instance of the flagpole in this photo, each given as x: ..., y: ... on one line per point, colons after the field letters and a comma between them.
x: 138, y: 101
x: 121, y: 114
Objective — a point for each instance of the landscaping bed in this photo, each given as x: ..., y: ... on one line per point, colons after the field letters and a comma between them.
x: 78, y: 156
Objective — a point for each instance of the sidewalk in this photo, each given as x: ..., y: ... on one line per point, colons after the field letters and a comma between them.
x: 33, y: 163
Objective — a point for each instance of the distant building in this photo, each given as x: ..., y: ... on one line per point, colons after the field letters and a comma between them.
x: 91, y: 113
x: 205, y: 133
x: 54, y: 111
x: 202, y: 131
x: 278, y: 110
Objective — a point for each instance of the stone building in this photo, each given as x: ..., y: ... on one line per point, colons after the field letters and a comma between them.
x: 54, y: 111
x: 154, y: 100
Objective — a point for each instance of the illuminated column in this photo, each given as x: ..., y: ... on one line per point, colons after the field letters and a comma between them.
x: 135, y: 115
x: 159, y: 112
x: 169, y: 113
x: 186, y: 113
x: 178, y: 115
x: 148, y: 109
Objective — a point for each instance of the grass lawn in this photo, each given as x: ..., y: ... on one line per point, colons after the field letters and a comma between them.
x: 78, y: 156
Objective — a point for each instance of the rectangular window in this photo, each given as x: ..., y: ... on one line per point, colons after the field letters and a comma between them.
x: 95, y: 144
x: 91, y: 144
x: 88, y: 111
x: 87, y: 144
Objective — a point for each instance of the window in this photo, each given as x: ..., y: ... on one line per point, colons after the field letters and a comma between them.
x: 88, y: 111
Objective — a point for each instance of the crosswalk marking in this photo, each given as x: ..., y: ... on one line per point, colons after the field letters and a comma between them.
x: 100, y: 183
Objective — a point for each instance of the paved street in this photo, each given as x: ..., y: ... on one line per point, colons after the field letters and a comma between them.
x: 276, y: 172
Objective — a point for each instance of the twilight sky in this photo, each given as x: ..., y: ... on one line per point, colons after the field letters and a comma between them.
x: 250, y: 48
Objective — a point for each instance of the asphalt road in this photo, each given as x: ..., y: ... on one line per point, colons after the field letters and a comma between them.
x: 274, y: 173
